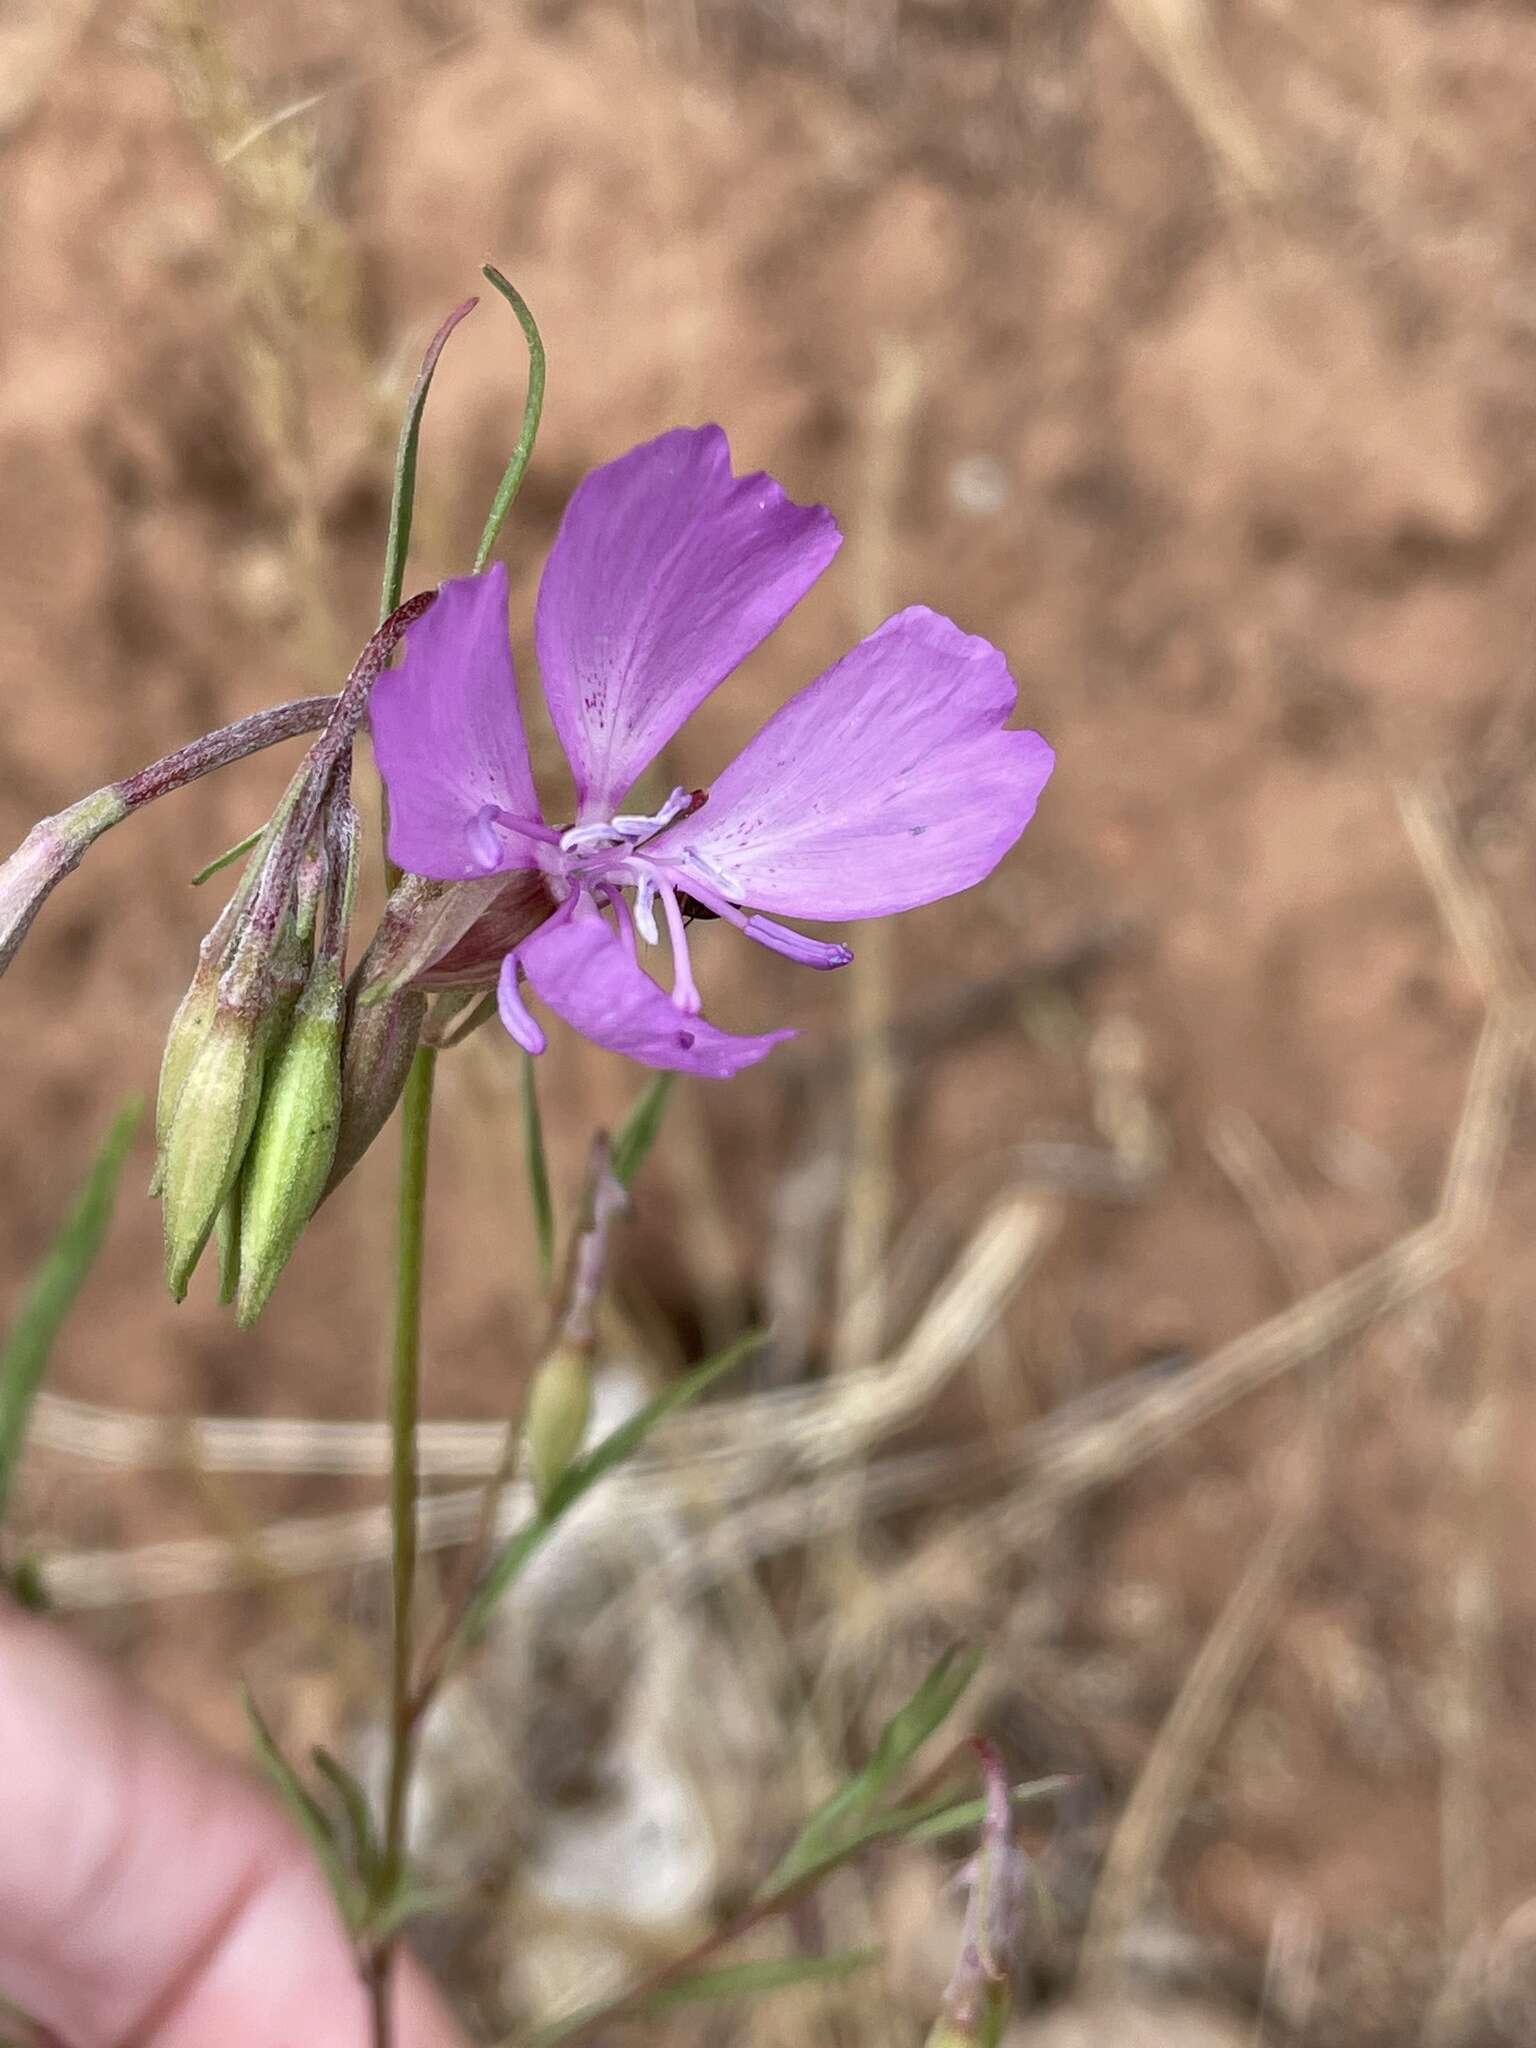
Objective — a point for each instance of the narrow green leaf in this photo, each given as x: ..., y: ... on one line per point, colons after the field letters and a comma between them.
x: 353, y: 1800
x: 227, y: 858
x: 583, y: 1473
x: 306, y: 1812
x: 929, y: 1822
x: 25, y: 1352
x: 533, y: 406
x: 922, y: 1824
x: 402, y: 498
x: 770, y: 1973
x: 835, y: 1826
x: 733, y: 1980
x: 638, y: 1132
x: 538, y: 1172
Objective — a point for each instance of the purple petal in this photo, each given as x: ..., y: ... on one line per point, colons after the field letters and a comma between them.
x: 887, y: 782
x: 666, y: 572
x: 448, y: 735
x: 584, y: 973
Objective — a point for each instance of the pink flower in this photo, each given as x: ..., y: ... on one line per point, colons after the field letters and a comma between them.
x: 889, y: 781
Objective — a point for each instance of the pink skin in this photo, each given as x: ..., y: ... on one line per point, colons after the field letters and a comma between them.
x: 152, y: 1894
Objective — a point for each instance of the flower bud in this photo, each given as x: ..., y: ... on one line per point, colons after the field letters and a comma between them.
x: 376, y: 1054
x: 50, y: 851
x: 189, y: 1028
x: 210, y: 1128
x: 555, y: 1419
x: 226, y: 1237
x: 290, y: 1156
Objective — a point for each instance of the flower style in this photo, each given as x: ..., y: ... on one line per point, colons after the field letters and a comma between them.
x: 889, y: 781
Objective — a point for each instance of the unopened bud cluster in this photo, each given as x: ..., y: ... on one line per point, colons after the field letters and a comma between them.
x: 278, y: 1071
x: 250, y: 1084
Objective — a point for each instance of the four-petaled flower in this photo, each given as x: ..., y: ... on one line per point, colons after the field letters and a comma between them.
x: 889, y: 781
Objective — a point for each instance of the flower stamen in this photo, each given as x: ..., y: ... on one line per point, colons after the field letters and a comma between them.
x: 685, y: 993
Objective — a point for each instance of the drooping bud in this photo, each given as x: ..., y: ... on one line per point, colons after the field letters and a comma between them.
x: 50, y: 851
x: 195, y: 1013
x: 291, y: 1153
x: 376, y: 1054
x: 209, y: 1131
x: 226, y: 1235
x: 189, y: 1027
x: 555, y: 1420
x: 294, y: 1143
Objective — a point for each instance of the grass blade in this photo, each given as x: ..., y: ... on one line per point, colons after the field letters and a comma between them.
x: 353, y: 1801
x: 638, y: 1132
x: 538, y: 1172
x: 584, y: 1473
x: 533, y: 406
x: 25, y: 1353
x: 835, y: 1828
x: 767, y: 1973
x: 929, y: 1822
x: 732, y: 1980
x: 402, y: 498
x: 305, y: 1811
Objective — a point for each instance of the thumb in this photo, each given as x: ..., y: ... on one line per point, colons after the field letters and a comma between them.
x: 150, y: 1892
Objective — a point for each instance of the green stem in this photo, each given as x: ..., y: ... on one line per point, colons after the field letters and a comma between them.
x: 404, y: 1403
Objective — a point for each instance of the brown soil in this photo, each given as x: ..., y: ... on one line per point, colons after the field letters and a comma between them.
x: 1227, y: 363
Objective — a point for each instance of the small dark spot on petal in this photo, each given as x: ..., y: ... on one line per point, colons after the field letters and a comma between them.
x: 685, y: 1040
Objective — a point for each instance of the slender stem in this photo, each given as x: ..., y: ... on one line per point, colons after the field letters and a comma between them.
x: 404, y: 1402
x: 221, y: 749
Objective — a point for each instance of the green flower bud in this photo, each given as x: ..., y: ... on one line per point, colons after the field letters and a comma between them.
x: 226, y: 1236
x: 209, y: 1130
x: 555, y: 1419
x: 289, y: 1161
x: 183, y: 1042
x: 376, y: 1054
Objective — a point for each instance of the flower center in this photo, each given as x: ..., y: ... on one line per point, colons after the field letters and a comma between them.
x: 627, y: 829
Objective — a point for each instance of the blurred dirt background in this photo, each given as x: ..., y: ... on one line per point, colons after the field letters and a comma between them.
x: 1188, y: 353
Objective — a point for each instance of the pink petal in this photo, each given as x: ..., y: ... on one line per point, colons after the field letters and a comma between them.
x: 448, y: 735
x: 585, y: 975
x: 666, y: 572
x: 887, y: 782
